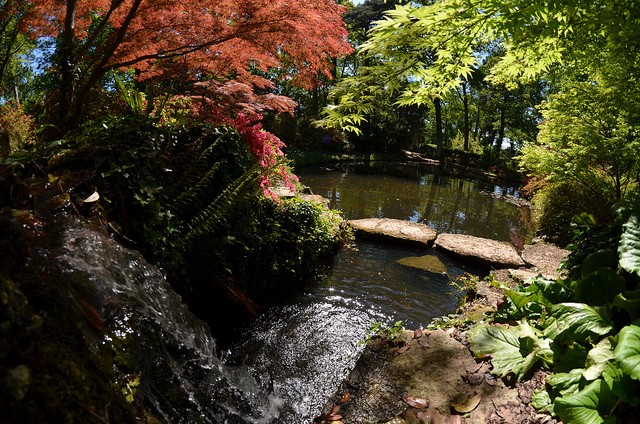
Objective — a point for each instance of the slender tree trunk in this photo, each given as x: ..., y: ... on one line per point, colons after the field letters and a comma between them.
x: 501, y: 130
x: 67, y: 60
x: 316, y: 102
x: 437, y: 105
x: 476, y: 130
x: 465, y: 102
x: 99, y: 67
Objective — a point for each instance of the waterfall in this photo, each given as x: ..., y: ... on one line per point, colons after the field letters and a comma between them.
x: 170, y: 351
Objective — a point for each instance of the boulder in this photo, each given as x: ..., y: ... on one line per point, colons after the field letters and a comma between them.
x: 480, y: 250
x: 394, y: 230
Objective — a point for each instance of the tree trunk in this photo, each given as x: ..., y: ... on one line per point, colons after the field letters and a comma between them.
x: 501, y: 130
x: 67, y: 60
x: 437, y: 105
x: 465, y: 102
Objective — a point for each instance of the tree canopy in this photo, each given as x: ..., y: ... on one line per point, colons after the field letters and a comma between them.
x: 426, y: 51
x: 214, y: 49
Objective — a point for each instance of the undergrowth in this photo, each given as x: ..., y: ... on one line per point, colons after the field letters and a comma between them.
x: 584, y: 328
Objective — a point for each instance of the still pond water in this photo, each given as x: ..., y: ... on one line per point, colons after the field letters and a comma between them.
x: 302, y: 351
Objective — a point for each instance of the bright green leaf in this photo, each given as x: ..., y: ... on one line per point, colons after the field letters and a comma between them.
x: 502, y: 343
x: 576, y: 321
x: 597, y: 359
x: 629, y: 248
x: 627, y: 352
x: 587, y: 406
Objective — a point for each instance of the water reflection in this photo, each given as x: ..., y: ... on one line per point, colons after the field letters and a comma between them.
x: 449, y: 204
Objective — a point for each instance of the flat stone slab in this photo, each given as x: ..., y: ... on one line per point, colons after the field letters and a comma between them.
x: 480, y: 250
x: 394, y: 230
x: 544, y: 258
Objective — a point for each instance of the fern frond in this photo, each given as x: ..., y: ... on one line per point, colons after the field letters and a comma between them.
x: 187, y: 198
x: 217, y: 213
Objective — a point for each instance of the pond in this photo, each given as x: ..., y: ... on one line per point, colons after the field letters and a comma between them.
x: 300, y: 352
x: 426, y: 194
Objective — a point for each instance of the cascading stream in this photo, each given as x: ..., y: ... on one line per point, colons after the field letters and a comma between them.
x: 173, y: 352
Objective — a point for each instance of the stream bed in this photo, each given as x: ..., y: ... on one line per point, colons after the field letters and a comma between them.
x: 300, y: 352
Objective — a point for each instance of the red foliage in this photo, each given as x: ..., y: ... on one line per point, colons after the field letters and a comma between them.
x: 267, y: 148
x: 216, y: 51
x: 197, y: 40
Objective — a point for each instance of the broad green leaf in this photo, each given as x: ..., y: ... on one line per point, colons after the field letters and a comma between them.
x: 631, y: 305
x: 553, y: 290
x: 576, y: 321
x: 629, y: 247
x: 541, y: 400
x: 531, y: 340
x: 519, y: 299
x: 605, y: 258
x: 599, y: 287
x: 627, y: 352
x: 565, y: 383
x: 502, y: 343
x: 598, y: 358
x: 569, y: 358
x: 587, y: 406
x: 621, y: 384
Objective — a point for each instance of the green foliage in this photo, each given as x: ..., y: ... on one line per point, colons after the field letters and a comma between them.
x: 583, y: 328
x: 290, y: 239
x: 556, y: 204
x: 189, y: 197
x: 390, y: 333
x: 588, y: 136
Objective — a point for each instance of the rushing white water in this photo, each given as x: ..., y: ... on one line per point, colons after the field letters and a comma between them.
x: 171, y: 351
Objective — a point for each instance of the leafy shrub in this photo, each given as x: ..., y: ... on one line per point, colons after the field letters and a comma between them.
x: 292, y: 237
x: 17, y: 129
x: 583, y: 328
x: 190, y: 198
x: 555, y: 205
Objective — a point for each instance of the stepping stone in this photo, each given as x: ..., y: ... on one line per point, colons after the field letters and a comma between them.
x: 480, y: 250
x: 388, y: 229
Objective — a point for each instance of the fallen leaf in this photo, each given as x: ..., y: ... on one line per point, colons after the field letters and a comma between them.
x: 416, y: 402
x: 346, y: 397
x: 403, y: 349
x: 93, y: 198
x: 417, y: 333
x: 92, y: 315
x: 466, y: 403
x: 423, y: 342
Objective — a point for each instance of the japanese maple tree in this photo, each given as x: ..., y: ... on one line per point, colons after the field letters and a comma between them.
x: 215, y: 48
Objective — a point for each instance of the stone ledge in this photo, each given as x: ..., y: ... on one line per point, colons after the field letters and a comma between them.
x: 394, y: 230
x: 480, y: 250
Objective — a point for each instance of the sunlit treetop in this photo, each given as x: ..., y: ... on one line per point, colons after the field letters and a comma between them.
x: 425, y: 51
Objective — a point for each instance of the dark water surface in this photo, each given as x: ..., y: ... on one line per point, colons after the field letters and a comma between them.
x: 300, y: 352
x: 449, y: 204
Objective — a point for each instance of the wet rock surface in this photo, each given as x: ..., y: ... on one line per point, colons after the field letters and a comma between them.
x: 480, y: 250
x: 394, y: 230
